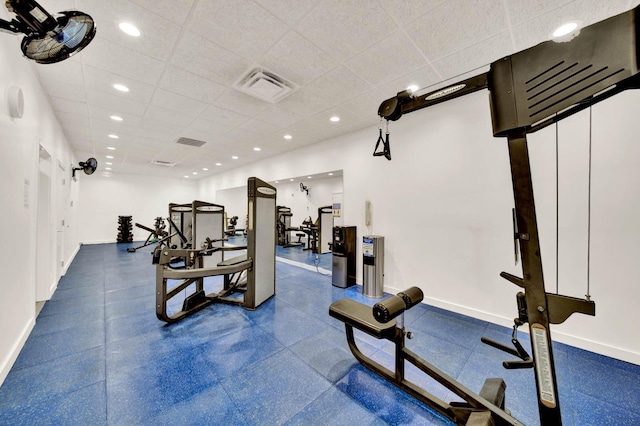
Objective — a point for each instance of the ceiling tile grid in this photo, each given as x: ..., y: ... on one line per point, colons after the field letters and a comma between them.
x: 343, y: 56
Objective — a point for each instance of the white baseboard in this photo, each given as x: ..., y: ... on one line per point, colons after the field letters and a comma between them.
x: 5, y: 368
x: 559, y: 336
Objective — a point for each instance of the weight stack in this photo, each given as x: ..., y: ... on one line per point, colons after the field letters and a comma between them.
x: 125, y: 230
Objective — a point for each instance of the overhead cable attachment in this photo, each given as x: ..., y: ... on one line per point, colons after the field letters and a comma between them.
x: 386, y: 151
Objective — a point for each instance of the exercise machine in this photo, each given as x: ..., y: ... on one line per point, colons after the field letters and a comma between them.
x: 232, y: 226
x: 325, y: 229
x: 156, y: 234
x: 529, y: 91
x: 310, y: 229
x: 284, y: 228
x: 180, y: 219
x: 250, y: 276
x: 486, y: 408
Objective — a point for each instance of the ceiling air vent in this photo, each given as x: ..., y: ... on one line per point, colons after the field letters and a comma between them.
x: 264, y: 85
x: 163, y: 163
x: 190, y: 142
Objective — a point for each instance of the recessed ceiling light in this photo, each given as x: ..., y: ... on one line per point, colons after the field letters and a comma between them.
x: 564, y: 29
x: 112, y: 136
x: 194, y: 173
x: 566, y: 32
x: 290, y: 180
x: 204, y: 169
x: 235, y: 157
x: 121, y: 87
x: 308, y: 177
x: 330, y: 174
x: 116, y: 118
x: 186, y: 177
x: 412, y: 88
x: 288, y: 137
x: 257, y: 149
x: 107, y: 168
x: 129, y: 29
x: 110, y: 157
x: 108, y: 164
x: 218, y: 164
x: 276, y: 182
x: 335, y: 119
x: 110, y: 148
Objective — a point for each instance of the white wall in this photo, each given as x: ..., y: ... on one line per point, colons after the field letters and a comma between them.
x: 103, y: 199
x: 19, y: 142
x: 444, y: 205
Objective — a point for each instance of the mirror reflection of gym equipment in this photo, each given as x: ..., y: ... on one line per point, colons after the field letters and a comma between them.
x: 250, y: 276
x: 284, y: 228
x: 529, y: 91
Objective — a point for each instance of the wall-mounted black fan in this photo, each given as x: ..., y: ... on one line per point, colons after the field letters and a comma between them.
x: 47, y: 39
x: 88, y: 167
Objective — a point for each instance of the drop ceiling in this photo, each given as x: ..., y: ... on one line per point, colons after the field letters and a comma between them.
x: 343, y: 56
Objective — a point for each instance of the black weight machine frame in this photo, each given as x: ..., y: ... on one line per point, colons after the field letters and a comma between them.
x: 155, y: 235
x: 252, y: 274
x: 529, y: 91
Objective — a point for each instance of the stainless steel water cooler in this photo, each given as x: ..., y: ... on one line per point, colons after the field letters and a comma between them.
x: 373, y: 266
x: 343, y: 259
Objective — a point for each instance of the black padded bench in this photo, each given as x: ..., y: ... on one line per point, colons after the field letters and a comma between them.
x: 361, y: 317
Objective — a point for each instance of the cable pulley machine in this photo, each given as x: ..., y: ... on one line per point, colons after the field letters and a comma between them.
x: 529, y: 91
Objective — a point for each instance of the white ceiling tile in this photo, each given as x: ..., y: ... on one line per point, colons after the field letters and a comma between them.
x: 158, y: 34
x: 70, y: 107
x: 156, y: 135
x: 259, y: 127
x: 174, y: 10
x: 102, y: 129
x: 242, y: 104
x: 288, y: 11
x: 174, y: 102
x: 211, y: 129
x: 82, y: 133
x: 346, y: 56
x: 65, y: 71
x: 408, y: 10
x: 473, y: 57
x: 241, y: 25
x: 278, y: 116
x: 345, y: 28
x: 104, y: 114
x: 70, y: 91
x: 116, y: 102
x: 338, y: 85
x: 205, y: 58
x: 71, y: 121
x: 365, y: 105
x: 168, y: 129
x: 304, y: 102
x: 588, y: 12
x: 398, y: 55
x: 117, y: 59
x: 224, y: 116
x: 177, y: 80
x: 155, y: 113
x: 296, y: 59
x: 523, y: 10
x: 423, y: 77
x: 103, y: 81
x: 322, y: 118
x: 455, y: 25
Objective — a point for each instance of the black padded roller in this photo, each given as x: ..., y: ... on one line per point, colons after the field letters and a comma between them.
x: 411, y: 296
x: 388, y: 309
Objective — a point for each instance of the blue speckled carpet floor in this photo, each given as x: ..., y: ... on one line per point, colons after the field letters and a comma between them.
x: 98, y: 356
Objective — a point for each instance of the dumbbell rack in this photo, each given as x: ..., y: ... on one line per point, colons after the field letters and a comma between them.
x: 125, y: 234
